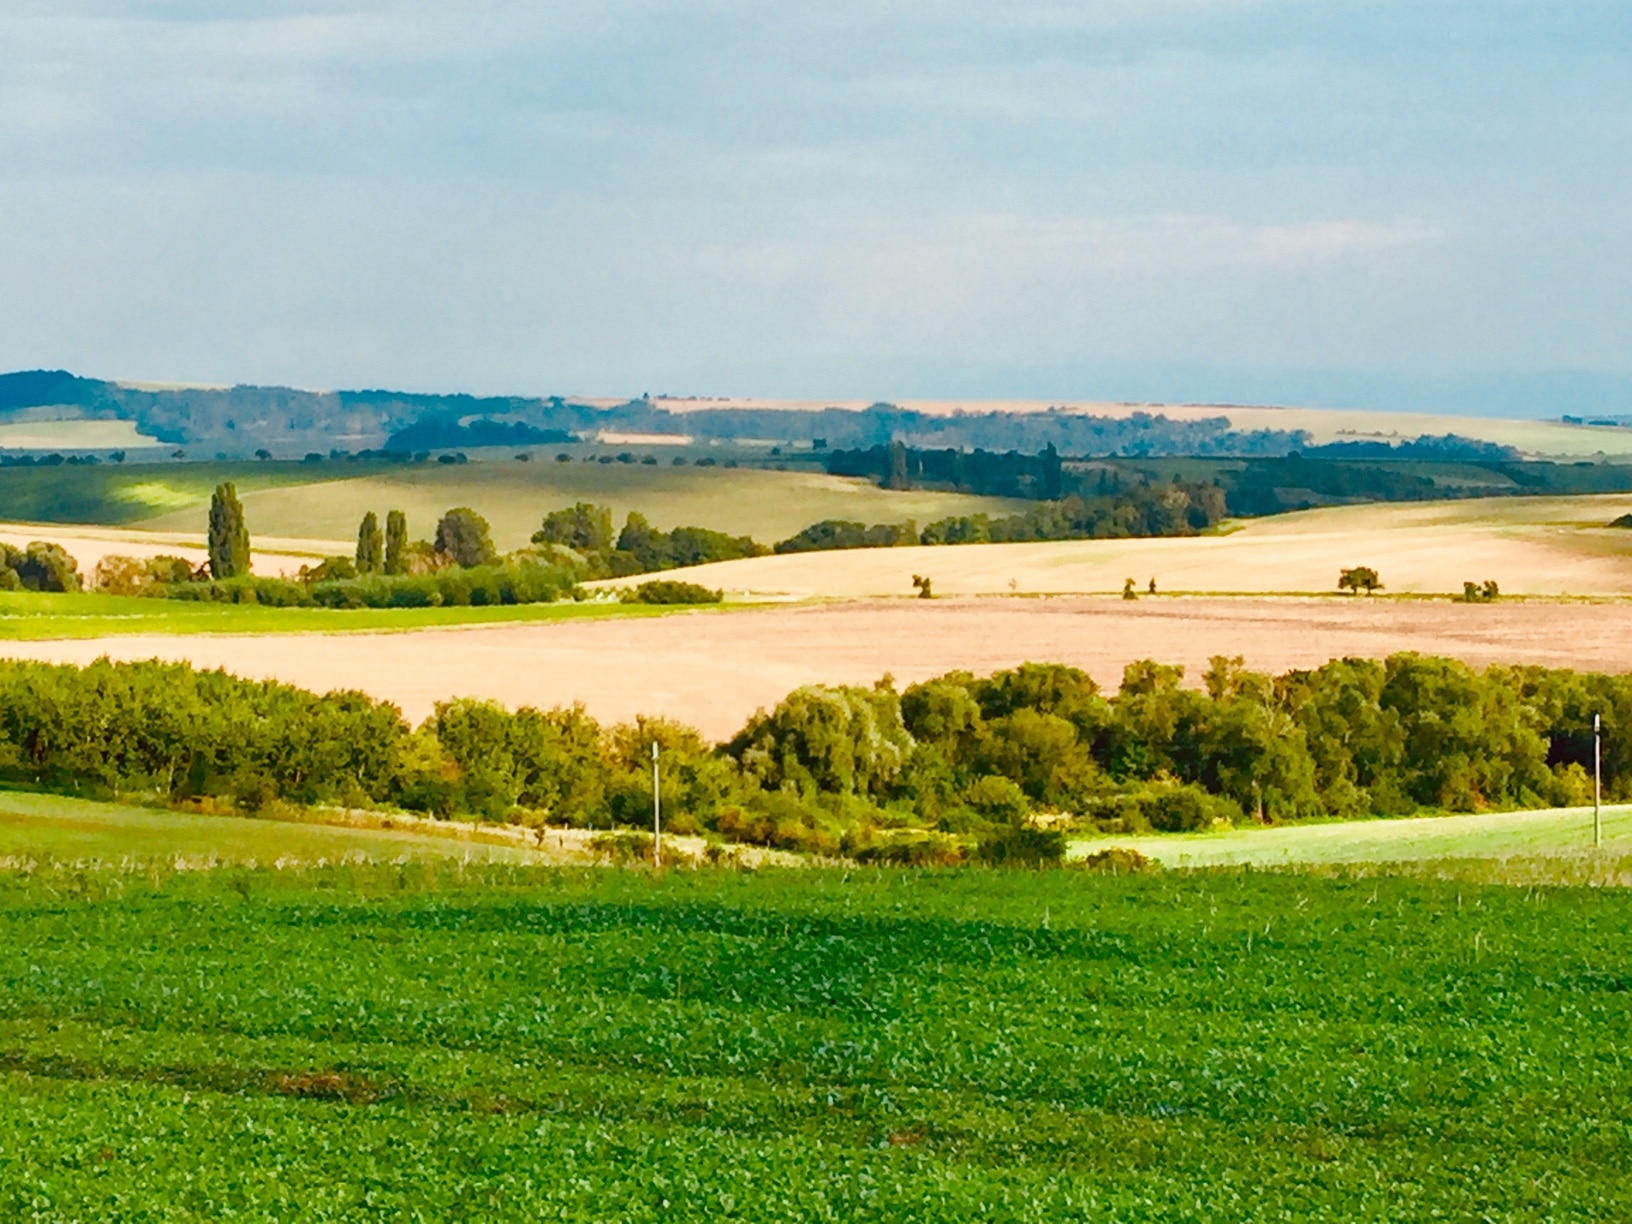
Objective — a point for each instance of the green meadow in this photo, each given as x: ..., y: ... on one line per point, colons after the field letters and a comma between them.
x: 32, y: 616
x: 327, y: 500
x: 36, y: 828
x: 1561, y: 835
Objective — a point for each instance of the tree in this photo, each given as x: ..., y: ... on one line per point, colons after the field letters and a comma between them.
x: 396, y: 542
x: 898, y: 477
x: 370, y: 545
x: 922, y: 584
x: 1360, y: 578
x: 585, y: 528
x: 228, y: 536
x: 463, y: 535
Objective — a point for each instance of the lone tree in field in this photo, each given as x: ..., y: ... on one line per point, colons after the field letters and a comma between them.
x: 370, y: 545
x: 922, y: 585
x: 1360, y: 578
x: 396, y: 542
x: 463, y: 536
x: 228, y: 538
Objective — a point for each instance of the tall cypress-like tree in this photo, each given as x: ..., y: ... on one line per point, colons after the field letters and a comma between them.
x: 370, y: 546
x: 229, y: 536
x: 396, y: 542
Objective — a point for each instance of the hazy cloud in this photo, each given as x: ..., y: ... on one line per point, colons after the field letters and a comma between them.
x: 801, y: 199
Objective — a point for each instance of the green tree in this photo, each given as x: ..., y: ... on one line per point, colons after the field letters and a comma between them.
x: 228, y: 536
x: 370, y: 545
x: 585, y: 528
x: 463, y: 535
x: 396, y: 542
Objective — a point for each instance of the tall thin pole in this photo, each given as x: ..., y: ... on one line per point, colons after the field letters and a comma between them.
x: 657, y: 814
x: 1597, y: 787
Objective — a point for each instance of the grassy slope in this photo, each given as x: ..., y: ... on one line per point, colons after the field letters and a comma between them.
x: 1554, y: 832
x: 326, y: 501
x: 52, y: 827
x: 400, y: 1043
x: 113, y: 495
x: 30, y: 616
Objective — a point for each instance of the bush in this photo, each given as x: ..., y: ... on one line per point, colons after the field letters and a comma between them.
x: 1166, y: 809
x: 933, y: 850
x: 998, y: 799
x: 1022, y: 846
x: 39, y: 567
x: 666, y: 591
x: 1119, y: 860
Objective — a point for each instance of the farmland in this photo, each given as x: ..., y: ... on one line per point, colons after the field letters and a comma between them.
x: 1512, y: 841
x: 54, y: 828
x: 1533, y: 546
x: 712, y: 669
x: 325, y: 501
x: 506, y: 1044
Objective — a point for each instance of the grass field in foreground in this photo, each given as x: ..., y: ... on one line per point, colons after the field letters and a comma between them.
x: 1552, y: 833
x: 36, y: 827
x: 32, y: 616
x: 422, y: 1042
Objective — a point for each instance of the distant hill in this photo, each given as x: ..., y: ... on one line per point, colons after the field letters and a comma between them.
x: 238, y: 421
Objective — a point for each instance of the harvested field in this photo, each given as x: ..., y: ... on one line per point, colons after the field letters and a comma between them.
x: 1529, y: 546
x: 713, y: 669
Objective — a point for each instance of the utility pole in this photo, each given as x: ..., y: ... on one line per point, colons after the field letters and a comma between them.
x: 657, y: 814
x: 1597, y: 786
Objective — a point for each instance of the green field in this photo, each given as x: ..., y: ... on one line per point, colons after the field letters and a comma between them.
x: 1554, y: 833
x: 416, y: 1042
x: 55, y: 828
x: 34, y: 616
x: 327, y: 500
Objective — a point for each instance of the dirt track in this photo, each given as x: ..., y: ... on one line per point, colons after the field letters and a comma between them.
x: 714, y: 669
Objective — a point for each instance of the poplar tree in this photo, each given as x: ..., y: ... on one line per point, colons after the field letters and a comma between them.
x: 228, y: 536
x: 370, y: 546
x: 396, y: 542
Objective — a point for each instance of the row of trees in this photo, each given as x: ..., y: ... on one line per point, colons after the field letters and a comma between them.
x: 584, y: 533
x: 836, y: 768
x: 1145, y: 510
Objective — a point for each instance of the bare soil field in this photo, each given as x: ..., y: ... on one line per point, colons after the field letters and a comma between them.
x: 713, y: 669
x: 1529, y: 546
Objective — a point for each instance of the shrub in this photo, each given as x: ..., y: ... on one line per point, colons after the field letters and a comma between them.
x: 1167, y: 809
x: 1022, y: 846
x: 666, y: 591
x: 1119, y: 860
x: 997, y: 799
x: 933, y: 850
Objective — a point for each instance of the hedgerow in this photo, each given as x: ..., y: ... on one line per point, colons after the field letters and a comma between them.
x: 970, y: 756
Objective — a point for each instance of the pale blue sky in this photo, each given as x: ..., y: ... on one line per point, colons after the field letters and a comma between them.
x: 1389, y: 203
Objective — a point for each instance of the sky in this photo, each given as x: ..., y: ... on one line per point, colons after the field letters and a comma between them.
x: 1424, y: 204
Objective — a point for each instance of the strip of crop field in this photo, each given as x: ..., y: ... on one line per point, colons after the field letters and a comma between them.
x: 1487, y: 835
x: 445, y: 1043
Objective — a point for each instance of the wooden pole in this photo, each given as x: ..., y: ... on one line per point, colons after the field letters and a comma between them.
x: 657, y: 813
x: 1597, y: 787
